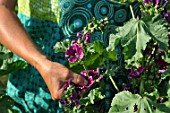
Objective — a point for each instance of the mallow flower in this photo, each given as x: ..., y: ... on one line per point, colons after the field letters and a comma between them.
x: 87, y: 38
x: 93, y: 76
x: 74, y: 52
x: 136, y: 73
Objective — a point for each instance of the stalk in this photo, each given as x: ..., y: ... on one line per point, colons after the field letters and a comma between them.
x: 114, y: 84
x: 131, y: 10
x: 85, y: 69
x: 141, y: 88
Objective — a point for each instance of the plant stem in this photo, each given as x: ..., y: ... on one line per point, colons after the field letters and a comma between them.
x: 131, y: 10
x: 85, y: 69
x: 141, y: 88
x: 114, y: 84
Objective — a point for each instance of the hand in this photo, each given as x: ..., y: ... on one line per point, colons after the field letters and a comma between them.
x: 55, y: 75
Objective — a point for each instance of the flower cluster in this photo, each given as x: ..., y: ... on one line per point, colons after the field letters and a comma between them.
x: 77, y: 53
x: 91, y: 75
x: 136, y: 73
x: 161, y: 3
x: 74, y: 52
x: 155, y: 6
x: 143, y: 63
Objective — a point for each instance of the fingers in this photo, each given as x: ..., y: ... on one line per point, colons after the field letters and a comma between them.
x: 77, y: 79
x: 58, y: 93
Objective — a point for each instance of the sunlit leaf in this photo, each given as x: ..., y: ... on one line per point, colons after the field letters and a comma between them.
x: 126, y: 102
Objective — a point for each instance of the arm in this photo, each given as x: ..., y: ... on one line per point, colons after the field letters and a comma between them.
x: 15, y: 38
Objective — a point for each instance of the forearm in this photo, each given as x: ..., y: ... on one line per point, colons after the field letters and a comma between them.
x: 15, y: 38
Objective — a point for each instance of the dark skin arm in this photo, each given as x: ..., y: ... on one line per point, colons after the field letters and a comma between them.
x: 15, y: 38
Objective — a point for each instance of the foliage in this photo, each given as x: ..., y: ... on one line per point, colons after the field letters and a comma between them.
x: 141, y: 85
x: 126, y: 102
x: 145, y: 47
x: 7, y: 65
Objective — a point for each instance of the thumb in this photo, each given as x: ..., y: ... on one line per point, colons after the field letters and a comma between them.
x: 79, y: 80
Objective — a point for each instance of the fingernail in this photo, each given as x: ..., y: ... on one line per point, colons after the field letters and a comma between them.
x: 85, y: 82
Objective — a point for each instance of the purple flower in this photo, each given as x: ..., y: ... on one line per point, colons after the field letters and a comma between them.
x: 100, y: 77
x: 147, y: 1
x: 161, y: 71
x: 157, y: 2
x: 127, y: 87
x: 80, y: 34
x: 133, y: 74
x: 166, y: 16
x: 141, y: 69
x: 164, y: 3
x: 91, y: 78
x: 92, y: 73
x: 75, y: 98
x: 87, y: 38
x: 136, y: 73
x: 91, y: 24
x: 74, y: 52
x: 64, y: 102
x: 102, y: 25
x: 161, y: 3
x: 159, y: 100
x: 67, y: 84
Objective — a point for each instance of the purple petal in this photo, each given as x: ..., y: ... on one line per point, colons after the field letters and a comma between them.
x: 72, y: 59
x: 74, y: 52
x: 134, y: 74
x: 161, y: 71
x: 100, y: 77
x: 80, y: 34
x: 87, y: 38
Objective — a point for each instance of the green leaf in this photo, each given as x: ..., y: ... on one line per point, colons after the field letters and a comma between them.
x: 158, y: 30
x: 95, y: 95
x: 62, y: 46
x: 98, y: 46
x: 93, y: 61
x: 12, y: 67
x: 113, y: 41
x: 164, y: 88
x: 124, y: 102
x: 134, y: 38
x: 110, y: 55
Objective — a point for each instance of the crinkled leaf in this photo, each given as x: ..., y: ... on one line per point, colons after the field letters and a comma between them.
x: 134, y: 37
x: 124, y: 102
x: 113, y: 41
x: 93, y: 61
x: 13, y: 66
x: 158, y: 30
x: 62, y: 46
x: 110, y: 55
x: 98, y: 46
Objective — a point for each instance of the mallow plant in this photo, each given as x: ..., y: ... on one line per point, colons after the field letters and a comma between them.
x: 143, y: 86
